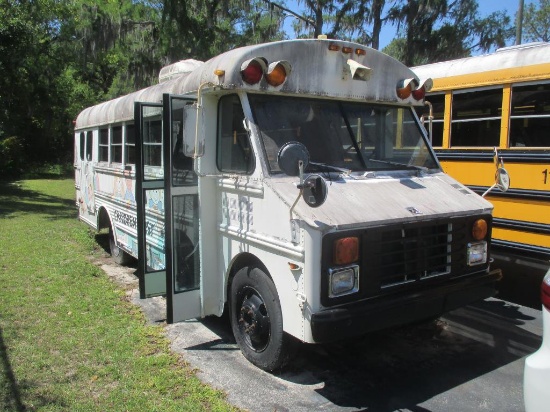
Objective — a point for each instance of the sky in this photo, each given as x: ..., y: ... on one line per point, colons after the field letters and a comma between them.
x: 486, y: 7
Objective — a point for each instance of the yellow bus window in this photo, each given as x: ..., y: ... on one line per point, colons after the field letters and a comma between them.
x: 530, y: 116
x: 476, y: 118
x: 438, y: 105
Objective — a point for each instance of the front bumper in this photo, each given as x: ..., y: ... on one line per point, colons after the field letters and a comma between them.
x: 387, y: 311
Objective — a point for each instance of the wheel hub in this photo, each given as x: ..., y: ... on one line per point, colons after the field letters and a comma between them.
x: 254, y: 321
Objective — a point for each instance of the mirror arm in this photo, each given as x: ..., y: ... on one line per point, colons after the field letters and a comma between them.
x: 488, y: 190
x: 300, y: 186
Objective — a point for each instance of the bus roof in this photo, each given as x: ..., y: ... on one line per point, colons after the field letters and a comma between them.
x: 526, y: 62
x: 315, y: 70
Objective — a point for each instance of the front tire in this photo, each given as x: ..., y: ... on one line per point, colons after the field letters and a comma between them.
x: 119, y: 256
x: 257, y: 320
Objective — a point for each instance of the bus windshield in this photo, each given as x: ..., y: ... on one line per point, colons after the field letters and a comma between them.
x: 358, y: 137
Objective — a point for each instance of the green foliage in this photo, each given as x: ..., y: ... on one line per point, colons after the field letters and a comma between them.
x: 536, y: 26
x: 437, y: 30
x: 56, y: 57
x: 11, y: 156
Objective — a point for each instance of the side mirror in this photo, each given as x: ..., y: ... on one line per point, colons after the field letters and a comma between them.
x: 502, y: 179
x: 193, y: 134
x: 314, y: 191
x: 289, y: 157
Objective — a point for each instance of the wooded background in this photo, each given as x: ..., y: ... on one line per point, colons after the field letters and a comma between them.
x: 60, y: 56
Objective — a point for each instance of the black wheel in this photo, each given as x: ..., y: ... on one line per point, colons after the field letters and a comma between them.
x: 119, y: 256
x: 257, y: 321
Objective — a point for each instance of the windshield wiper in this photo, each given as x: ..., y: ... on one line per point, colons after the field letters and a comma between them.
x: 400, y: 165
x: 323, y: 167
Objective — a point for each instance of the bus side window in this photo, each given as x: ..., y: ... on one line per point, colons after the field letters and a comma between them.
x: 234, y: 152
x: 103, y: 145
x: 476, y: 117
x: 82, y: 145
x: 89, y: 145
x: 530, y: 116
x: 130, y: 145
x: 116, y: 144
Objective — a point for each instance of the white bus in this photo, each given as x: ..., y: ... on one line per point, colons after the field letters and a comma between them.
x: 290, y: 184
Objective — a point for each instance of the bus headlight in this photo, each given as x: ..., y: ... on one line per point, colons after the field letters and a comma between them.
x: 343, y: 281
x: 477, y: 253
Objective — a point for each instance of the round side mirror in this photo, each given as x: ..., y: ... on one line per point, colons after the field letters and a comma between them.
x: 502, y: 179
x: 315, y: 191
x: 289, y: 157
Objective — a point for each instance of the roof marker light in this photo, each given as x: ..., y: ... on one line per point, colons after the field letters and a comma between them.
x: 360, y: 52
x: 425, y: 86
x: 405, y: 87
x: 253, y: 70
x: 277, y: 72
x: 347, y: 50
x: 333, y: 47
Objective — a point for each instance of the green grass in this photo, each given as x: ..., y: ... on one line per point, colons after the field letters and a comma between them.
x: 69, y: 340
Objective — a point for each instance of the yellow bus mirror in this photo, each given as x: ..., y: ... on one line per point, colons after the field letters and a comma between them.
x: 502, y: 179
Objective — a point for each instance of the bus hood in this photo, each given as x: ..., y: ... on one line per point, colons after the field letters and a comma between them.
x: 354, y: 202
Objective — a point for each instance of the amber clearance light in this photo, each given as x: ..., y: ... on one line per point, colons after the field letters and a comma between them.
x: 479, y: 229
x: 346, y: 250
x: 277, y: 73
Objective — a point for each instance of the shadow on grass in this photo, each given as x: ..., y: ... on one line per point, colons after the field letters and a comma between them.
x: 16, y: 199
x: 9, y: 390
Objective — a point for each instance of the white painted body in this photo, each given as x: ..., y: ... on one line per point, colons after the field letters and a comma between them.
x: 536, y: 382
x: 251, y: 214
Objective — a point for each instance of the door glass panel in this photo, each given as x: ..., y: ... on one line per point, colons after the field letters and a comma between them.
x: 152, y: 143
x: 154, y: 229
x: 186, y: 242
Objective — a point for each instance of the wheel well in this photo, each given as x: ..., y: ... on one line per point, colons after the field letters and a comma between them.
x: 241, y: 261
x: 103, y: 219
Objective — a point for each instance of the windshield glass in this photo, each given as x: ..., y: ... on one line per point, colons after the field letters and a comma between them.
x: 355, y: 136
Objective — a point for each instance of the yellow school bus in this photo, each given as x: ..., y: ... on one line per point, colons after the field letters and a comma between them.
x: 499, y: 100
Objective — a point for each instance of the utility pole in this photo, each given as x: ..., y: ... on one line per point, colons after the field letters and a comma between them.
x: 519, y: 22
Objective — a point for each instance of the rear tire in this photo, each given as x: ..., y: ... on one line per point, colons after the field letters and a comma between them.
x: 119, y: 256
x: 257, y: 320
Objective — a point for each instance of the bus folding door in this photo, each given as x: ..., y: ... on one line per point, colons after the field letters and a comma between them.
x: 150, y: 200
x: 183, y: 281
